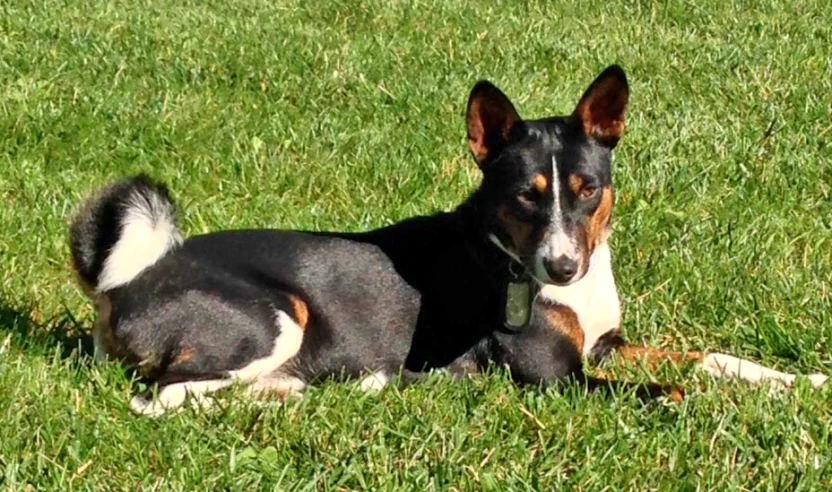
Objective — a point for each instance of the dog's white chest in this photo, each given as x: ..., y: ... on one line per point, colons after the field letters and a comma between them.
x: 594, y: 298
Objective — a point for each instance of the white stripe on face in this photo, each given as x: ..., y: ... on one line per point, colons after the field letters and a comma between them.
x: 558, y: 243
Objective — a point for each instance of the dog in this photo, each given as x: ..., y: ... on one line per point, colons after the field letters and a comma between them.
x: 519, y: 275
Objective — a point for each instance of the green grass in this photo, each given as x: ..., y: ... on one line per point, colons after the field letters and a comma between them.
x: 348, y: 115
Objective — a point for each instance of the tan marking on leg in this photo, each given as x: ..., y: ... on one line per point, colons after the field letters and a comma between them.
x: 300, y: 311
x: 655, y: 358
x: 651, y: 359
x: 718, y: 365
x: 643, y: 391
x: 564, y: 320
x: 676, y: 394
x: 184, y: 355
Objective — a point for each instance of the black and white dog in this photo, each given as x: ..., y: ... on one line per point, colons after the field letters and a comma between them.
x: 519, y: 275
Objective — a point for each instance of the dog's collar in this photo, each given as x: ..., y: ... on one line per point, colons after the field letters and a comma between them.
x: 518, y: 293
x: 519, y: 296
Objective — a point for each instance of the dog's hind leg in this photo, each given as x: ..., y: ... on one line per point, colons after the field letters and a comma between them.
x: 286, y: 345
x: 191, y: 379
x: 278, y: 385
x: 173, y: 396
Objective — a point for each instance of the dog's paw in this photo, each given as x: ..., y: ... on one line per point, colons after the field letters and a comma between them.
x: 144, y: 406
x: 203, y: 403
x: 817, y: 379
x: 169, y: 398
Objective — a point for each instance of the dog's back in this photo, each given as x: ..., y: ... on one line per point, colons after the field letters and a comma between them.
x: 256, y: 306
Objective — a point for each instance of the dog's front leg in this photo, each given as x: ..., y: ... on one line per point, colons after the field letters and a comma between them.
x: 643, y: 391
x: 612, y: 346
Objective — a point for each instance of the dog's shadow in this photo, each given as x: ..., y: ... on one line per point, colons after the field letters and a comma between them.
x: 62, y: 333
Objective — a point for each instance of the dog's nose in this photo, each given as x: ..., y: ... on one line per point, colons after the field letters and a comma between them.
x: 561, y: 269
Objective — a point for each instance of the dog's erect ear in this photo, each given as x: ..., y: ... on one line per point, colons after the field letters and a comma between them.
x: 490, y: 118
x: 602, y: 106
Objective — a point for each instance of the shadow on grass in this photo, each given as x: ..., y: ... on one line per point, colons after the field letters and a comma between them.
x: 62, y: 332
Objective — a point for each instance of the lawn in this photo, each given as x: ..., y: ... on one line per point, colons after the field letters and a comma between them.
x: 349, y: 115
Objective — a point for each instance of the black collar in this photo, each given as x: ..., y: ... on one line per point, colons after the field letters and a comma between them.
x: 509, y: 278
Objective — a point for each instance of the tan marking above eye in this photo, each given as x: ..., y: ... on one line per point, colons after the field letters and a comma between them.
x: 575, y: 183
x: 540, y: 183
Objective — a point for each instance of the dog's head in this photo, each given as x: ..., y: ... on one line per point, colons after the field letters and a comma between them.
x: 547, y: 190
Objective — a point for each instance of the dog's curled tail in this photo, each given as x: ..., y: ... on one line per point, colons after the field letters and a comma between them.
x: 123, y: 229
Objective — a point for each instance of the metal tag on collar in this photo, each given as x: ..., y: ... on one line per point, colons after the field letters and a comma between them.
x: 519, y: 297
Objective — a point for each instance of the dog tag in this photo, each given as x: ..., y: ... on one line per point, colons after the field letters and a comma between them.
x: 517, y: 304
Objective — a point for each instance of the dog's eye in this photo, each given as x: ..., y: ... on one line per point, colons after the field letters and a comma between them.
x: 588, y: 192
x: 529, y: 196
